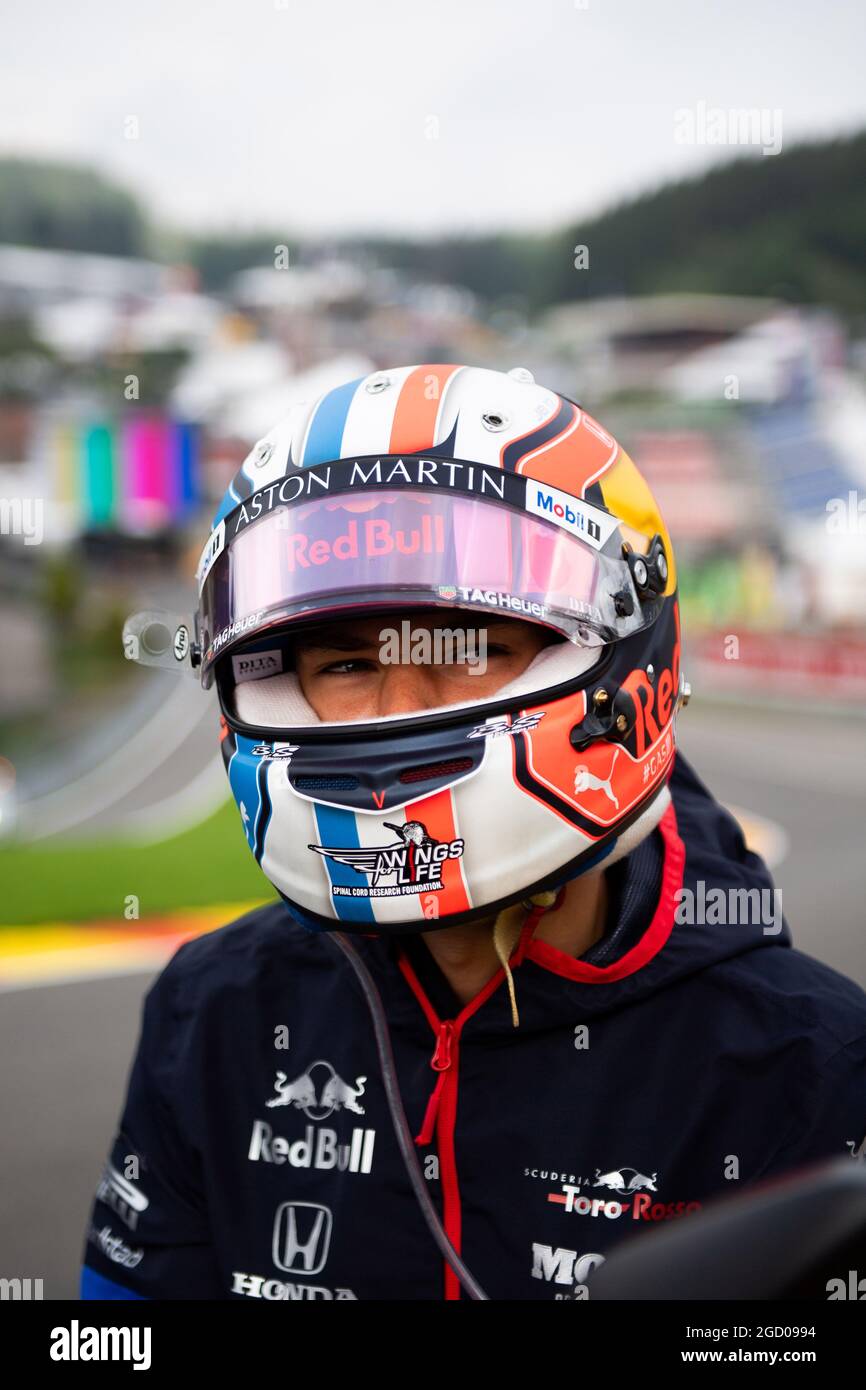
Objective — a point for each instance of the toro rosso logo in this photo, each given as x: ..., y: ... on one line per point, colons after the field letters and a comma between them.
x: 413, y: 861
x: 632, y: 1199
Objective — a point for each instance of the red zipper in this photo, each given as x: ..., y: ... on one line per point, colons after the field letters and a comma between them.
x: 439, y: 1115
x: 441, y: 1062
x: 441, y: 1112
x: 441, y: 1059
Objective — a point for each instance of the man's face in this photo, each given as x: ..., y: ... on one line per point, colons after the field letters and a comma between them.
x: 347, y: 669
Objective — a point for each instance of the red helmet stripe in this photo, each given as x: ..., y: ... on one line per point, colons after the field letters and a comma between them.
x: 436, y: 812
x: 414, y: 426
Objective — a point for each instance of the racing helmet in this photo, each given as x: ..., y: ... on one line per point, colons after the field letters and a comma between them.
x: 477, y: 495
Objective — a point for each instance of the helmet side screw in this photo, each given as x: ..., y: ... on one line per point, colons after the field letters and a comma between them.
x: 600, y: 698
x: 377, y: 384
x: 662, y: 567
x: 650, y: 673
x: 494, y: 420
x: 640, y: 572
x: 621, y: 723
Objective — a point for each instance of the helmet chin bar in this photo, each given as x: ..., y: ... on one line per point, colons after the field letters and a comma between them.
x: 156, y: 637
x: 596, y: 859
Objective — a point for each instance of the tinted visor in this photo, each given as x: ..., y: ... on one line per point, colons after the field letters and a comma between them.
x: 388, y: 549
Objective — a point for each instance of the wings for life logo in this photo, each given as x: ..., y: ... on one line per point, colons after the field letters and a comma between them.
x: 412, y: 863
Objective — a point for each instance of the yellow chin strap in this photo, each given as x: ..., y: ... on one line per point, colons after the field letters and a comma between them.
x: 506, y: 934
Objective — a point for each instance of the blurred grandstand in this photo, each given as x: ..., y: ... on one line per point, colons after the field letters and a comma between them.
x: 129, y: 394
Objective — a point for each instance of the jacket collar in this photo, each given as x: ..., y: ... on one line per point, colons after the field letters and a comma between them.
x: 699, y: 847
x: 544, y: 976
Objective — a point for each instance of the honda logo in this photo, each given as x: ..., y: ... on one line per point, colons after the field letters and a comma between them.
x: 302, y: 1235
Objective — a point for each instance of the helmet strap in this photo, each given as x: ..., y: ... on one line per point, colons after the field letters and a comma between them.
x: 509, y: 930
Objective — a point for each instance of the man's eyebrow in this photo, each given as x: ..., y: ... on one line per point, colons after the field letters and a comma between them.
x: 347, y: 641
x: 344, y: 642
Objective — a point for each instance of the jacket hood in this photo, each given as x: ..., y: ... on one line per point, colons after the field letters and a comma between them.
x: 690, y: 896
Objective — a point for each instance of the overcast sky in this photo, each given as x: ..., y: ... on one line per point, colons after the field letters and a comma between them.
x: 393, y: 115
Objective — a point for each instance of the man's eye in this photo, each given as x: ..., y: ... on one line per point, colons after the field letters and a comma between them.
x: 345, y: 668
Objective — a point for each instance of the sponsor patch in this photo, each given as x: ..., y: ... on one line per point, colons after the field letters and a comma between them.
x: 413, y: 862
x: 317, y: 1148
x: 275, y: 752
x: 580, y: 518
x: 124, y: 1197
x: 253, y: 666
x: 275, y: 1290
x: 494, y: 728
x: 495, y: 598
x: 234, y: 630
x: 214, y: 546
x: 115, y: 1248
x: 387, y: 471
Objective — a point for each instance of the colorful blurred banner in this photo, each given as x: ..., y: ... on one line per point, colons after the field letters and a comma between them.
x: 140, y: 474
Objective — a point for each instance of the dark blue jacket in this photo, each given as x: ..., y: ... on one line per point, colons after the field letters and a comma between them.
x: 676, y: 1060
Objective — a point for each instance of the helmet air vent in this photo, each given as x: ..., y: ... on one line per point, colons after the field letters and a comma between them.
x: 426, y: 771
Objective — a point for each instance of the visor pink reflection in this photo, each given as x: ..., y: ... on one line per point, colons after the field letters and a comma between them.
x: 397, y: 541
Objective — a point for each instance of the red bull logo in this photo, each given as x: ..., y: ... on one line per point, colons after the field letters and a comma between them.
x: 316, y: 1148
x: 318, y: 1101
x: 373, y: 539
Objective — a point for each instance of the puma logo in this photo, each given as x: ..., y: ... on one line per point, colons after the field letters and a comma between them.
x: 586, y: 781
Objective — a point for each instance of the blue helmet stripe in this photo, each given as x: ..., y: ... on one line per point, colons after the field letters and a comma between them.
x: 336, y: 826
x: 325, y: 438
x: 265, y: 808
x: 244, y: 782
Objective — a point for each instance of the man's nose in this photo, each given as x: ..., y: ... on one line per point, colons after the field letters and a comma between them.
x: 405, y: 688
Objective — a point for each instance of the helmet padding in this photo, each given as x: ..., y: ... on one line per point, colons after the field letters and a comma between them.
x: 278, y: 701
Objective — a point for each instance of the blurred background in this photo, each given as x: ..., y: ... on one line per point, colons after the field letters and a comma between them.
x: 207, y: 213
